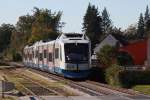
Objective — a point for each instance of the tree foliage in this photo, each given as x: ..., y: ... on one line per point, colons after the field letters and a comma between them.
x: 107, y: 55
x: 5, y: 35
x: 140, y: 30
x: 106, y: 22
x: 147, y: 15
x: 43, y: 24
x: 46, y: 25
x: 92, y: 25
x: 147, y: 21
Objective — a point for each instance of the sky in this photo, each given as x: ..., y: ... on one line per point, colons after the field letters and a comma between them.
x: 122, y: 12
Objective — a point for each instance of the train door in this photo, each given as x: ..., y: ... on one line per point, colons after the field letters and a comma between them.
x: 57, y: 59
x: 50, y: 58
x: 45, y: 66
x: 30, y: 57
x: 36, y: 57
x: 27, y: 57
x: 40, y: 58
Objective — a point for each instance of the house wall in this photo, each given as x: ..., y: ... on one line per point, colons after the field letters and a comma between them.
x: 138, y: 51
x: 109, y: 40
x: 148, y: 53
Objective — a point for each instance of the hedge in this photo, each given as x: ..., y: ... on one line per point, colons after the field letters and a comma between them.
x: 131, y: 78
x: 117, y: 76
x: 111, y: 75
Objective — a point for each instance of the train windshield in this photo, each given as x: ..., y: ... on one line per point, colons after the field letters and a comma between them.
x: 76, y: 52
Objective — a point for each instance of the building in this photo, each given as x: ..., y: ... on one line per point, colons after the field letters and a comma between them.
x: 136, y: 52
x: 108, y: 40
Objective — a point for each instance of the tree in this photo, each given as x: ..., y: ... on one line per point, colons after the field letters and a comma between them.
x: 107, y: 55
x: 106, y: 22
x: 140, y: 30
x: 130, y: 32
x: 24, y: 25
x: 147, y: 14
x: 5, y: 36
x: 147, y: 21
x: 46, y: 25
x: 92, y: 25
x: 42, y: 24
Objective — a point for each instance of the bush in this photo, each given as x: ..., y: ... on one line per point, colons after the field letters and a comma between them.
x: 107, y: 55
x: 97, y: 74
x: 16, y: 56
x: 111, y: 75
x: 117, y: 76
x: 131, y: 78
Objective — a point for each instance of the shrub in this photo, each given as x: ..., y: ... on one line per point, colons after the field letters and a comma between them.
x: 97, y: 74
x: 107, y: 55
x: 112, y: 73
x: 16, y: 56
x: 117, y: 76
x: 131, y: 78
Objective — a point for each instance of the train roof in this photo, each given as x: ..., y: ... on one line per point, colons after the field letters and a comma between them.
x: 72, y: 36
x: 64, y: 37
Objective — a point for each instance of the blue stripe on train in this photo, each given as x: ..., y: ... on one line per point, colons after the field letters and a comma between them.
x: 65, y: 73
x: 79, y: 74
x: 73, y: 74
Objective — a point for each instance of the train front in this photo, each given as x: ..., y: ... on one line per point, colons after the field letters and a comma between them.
x: 77, y: 56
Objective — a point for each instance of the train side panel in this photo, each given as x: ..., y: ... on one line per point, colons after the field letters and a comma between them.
x: 50, y: 58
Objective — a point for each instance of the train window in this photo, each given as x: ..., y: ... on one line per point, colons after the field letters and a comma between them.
x: 56, y: 53
x: 45, y: 53
x: 60, y: 53
x: 30, y: 56
x: 33, y: 54
x: 36, y: 54
x: 40, y: 57
x: 50, y: 57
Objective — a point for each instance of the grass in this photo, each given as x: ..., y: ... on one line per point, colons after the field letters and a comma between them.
x: 17, y: 79
x: 7, y: 98
x: 142, y: 88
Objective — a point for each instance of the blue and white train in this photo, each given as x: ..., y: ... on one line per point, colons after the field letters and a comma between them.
x: 69, y: 55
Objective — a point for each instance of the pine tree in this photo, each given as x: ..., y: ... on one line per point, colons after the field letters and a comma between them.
x: 92, y: 25
x: 106, y: 22
x: 147, y: 21
x: 140, y: 30
x: 147, y: 15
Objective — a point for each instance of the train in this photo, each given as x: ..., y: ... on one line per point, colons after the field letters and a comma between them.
x: 69, y: 55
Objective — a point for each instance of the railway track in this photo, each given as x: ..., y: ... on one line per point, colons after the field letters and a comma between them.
x: 30, y: 87
x: 88, y: 87
x: 70, y: 83
x: 119, y: 90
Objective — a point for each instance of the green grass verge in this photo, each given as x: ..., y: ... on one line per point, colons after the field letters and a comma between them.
x: 142, y: 88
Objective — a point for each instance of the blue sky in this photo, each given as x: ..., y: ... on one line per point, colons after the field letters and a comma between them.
x: 122, y: 12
